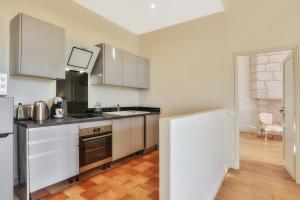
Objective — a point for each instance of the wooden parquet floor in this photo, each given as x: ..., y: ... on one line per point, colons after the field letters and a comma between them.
x: 262, y: 175
x: 135, y: 179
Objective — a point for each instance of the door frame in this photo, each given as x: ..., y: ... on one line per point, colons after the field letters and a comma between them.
x: 296, y: 89
x: 287, y: 167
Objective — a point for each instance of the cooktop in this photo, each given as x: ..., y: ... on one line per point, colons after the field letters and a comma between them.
x: 86, y: 115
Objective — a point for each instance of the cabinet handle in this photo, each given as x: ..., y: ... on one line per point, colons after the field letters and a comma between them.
x: 93, y: 138
x: 4, y: 135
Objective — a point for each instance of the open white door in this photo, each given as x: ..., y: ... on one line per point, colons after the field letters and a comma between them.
x: 288, y: 117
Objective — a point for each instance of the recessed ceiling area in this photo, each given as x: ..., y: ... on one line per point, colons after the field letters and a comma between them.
x: 142, y: 16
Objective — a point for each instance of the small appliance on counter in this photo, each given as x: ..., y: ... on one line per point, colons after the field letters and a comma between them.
x: 40, y: 111
x: 57, y: 109
x: 24, y: 112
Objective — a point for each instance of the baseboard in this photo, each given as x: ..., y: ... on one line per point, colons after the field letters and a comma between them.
x: 16, y: 181
x: 219, y: 183
x: 248, y: 131
x: 233, y: 164
x: 288, y: 169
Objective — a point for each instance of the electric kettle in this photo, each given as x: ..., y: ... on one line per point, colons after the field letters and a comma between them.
x: 40, y: 111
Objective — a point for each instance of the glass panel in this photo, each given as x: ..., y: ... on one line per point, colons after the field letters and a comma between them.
x: 95, y: 150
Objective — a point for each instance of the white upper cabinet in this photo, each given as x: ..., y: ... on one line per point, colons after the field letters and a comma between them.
x: 130, y: 70
x: 120, y: 68
x: 37, y: 48
x: 108, y: 68
x: 143, y: 73
x: 113, y: 71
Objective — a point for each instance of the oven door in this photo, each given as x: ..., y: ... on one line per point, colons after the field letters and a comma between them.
x: 95, y: 151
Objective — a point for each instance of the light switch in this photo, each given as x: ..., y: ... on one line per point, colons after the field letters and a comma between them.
x: 3, y: 84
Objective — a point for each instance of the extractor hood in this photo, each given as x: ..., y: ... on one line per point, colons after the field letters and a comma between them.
x: 80, y: 56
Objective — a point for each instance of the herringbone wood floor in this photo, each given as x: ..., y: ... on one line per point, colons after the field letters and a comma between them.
x: 134, y: 179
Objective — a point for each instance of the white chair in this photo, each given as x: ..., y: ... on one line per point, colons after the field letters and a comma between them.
x: 268, y: 127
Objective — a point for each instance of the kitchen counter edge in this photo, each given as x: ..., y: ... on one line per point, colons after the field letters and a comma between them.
x: 69, y: 120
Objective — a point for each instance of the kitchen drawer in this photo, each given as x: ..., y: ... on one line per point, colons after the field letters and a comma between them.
x: 52, y: 167
x: 44, y: 146
x: 51, y: 132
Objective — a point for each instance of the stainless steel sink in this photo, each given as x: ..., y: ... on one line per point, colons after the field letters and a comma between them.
x: 127, y: 113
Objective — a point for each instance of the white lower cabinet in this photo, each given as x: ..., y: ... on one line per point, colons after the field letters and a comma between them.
x: 120, y: 138
x: 128, y: 136
x: 52, y: 167
x: 137, y: 134
x: 152, y: 130
x: 53, y: 155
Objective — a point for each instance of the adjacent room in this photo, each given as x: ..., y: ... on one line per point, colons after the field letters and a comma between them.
x: 149, y: 99
x: 264, y: 97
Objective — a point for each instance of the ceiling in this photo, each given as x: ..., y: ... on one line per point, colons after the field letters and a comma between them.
x: 142, y: 16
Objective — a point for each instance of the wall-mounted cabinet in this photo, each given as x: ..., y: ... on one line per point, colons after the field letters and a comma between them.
x: 120, y: 68
x: 130, y: 70
x: 143, y: 73
x: 37, y: 48
x: 113, y: 66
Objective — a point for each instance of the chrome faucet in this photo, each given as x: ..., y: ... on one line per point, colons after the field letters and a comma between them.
x: 118, y: 107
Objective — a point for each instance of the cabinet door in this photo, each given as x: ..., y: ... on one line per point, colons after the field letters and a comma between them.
x: 43, y: 49
x: 143, y: 73
x: 53, y: 132
x: 52, y: 167
x: 152, y: 130
x: 113, y: 71
x: 130, y: 70
x: 121, y: 138
x: 53, y: 155
x: 137, y: 134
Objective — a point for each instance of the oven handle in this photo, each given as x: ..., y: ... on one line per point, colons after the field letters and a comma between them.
x: 97, y: 137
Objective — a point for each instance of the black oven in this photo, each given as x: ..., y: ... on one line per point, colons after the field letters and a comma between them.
x: 95, y: 147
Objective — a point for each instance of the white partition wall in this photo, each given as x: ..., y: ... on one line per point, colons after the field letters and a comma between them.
x: 193, y: 155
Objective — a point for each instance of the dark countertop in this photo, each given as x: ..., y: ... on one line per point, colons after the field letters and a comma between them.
x: 70, y: 120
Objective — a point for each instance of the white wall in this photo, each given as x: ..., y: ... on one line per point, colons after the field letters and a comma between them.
x: 192, y: 65
x: 79, y: 23
x: 247, y: 106
x: 193, y: 155
x: 110, y: 96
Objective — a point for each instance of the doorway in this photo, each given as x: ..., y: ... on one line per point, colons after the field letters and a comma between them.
x: 266, y: 109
